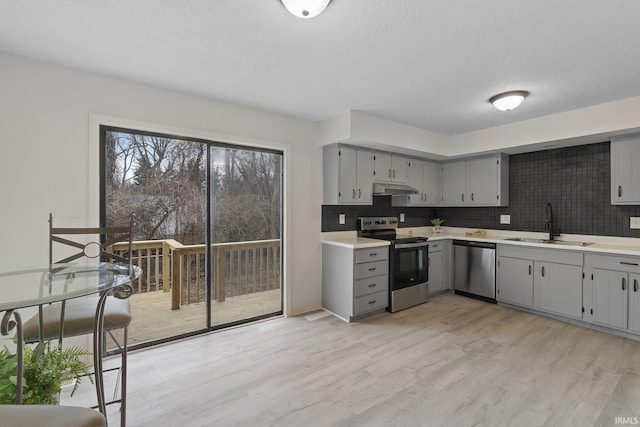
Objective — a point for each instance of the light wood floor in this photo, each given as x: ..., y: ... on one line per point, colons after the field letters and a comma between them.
x: 154, y: 319
x: 451, y: 362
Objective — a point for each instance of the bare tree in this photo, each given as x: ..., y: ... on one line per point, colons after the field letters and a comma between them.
x: 164, y: 181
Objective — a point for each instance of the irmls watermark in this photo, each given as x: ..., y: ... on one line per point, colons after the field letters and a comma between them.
x: 629, y: 421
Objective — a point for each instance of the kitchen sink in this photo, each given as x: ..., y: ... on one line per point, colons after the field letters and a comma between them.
x: 551, y: 242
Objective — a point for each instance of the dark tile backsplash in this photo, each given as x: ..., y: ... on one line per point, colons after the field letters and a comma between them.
x: 414, y: 216
x: 575, y: 180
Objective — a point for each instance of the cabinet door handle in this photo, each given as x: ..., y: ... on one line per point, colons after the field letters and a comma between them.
x: 529, y: 269
x: 472, y: 197
x: 542, y: 271
x: 619, y: 190
x: 373, y: 254
x: 359, y: 193
x: 372, y: 269
x: 635, y: 285
x: 629, y: 263
x: 372, y: 302
x: 624, y: 283
x: 463, y: 197
x: 353, y: 193
x: 373, y: 285
x: 389, y: 173
x: 394, y: 173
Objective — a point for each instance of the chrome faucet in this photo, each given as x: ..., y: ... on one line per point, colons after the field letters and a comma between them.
x: 549, y: 223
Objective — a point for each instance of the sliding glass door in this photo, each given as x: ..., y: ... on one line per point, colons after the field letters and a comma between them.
x: 208, y: 230
x: 246, y: 200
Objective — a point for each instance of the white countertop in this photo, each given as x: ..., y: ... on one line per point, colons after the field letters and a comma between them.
x: 350, y: 239
x: 601, y: 244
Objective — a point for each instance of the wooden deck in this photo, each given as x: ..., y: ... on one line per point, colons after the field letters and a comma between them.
x: 153, y: 318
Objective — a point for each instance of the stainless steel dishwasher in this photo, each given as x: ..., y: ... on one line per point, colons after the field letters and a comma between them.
x: 475, y: 269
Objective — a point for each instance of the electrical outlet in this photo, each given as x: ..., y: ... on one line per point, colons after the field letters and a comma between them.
x: 401, y: 217
x: 341, y: 219
x: 634, y: 222
x: 505, y: 219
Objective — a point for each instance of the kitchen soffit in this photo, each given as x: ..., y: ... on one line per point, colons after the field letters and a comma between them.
x: 432, y: 65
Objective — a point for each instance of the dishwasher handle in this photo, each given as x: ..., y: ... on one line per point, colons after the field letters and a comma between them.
x: 474, y: 244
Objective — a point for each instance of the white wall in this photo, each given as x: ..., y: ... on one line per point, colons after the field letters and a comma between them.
x: 48, y: 159
x: 582, y: 126
x: 596, y: 123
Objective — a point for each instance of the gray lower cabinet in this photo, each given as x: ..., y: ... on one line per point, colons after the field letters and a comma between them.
x: 542, y: 279
x: 616, y: 291
x: 438, y: 267
x: 558, y: 288
x: 515, y: 281
x: 355, y: 282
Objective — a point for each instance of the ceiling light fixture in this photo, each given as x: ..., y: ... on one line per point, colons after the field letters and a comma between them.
x: 306, y: 8
x: 509, y: 100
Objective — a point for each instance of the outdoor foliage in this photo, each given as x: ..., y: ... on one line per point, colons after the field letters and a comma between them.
x: 44, y: 372
x: 164, y: 182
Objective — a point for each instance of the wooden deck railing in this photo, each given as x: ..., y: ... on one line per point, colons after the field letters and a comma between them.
x: 239, y: 268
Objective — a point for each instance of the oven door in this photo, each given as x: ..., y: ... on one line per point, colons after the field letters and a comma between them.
x: 410, y: 265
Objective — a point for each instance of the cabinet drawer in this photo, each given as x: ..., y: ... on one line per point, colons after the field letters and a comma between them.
x: 619, y: 263
x: 371, y: 285
x: 372, y: 254
x: 371, y: 302
x: 370, y: 269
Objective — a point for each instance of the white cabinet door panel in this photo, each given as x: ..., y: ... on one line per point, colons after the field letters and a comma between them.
x: 454, y: 182
x: 634, y: 303
x: 364, y: 176
x: 609, y: 297
x: 347, y: 175
x: 515, y: 281
x: 559, y: 288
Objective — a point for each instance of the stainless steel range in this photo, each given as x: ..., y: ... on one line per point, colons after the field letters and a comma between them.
x: 409, y: 262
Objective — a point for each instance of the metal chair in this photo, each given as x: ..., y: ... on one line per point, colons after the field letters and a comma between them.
x: 77, y: 316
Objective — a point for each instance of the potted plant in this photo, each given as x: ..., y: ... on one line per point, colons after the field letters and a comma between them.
x: 44, y: 373
x: 436, y: 222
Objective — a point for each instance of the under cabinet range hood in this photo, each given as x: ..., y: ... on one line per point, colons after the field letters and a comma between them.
x: 383, y: 188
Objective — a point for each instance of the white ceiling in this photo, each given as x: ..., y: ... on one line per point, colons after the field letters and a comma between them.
x: 427, y: 63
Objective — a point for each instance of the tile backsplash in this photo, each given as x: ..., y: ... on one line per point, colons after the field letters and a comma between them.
x: 575, y: 180
x: 414, y: 216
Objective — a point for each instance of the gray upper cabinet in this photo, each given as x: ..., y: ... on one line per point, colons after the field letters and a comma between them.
x: 432, y: 183
x: 481, y: 181
x: 347, y: 175
x: 625, y: 170
x: 454, y: 183
x: 416, y: 171
x: 426, y: 177
x: 389, y: 167
x: 488, y: 181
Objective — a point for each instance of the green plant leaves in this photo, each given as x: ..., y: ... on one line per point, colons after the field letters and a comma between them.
x: 44, y: 372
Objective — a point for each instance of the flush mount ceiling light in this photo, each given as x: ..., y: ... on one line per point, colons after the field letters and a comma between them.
x: 306, y: 8
x: 509, y: 100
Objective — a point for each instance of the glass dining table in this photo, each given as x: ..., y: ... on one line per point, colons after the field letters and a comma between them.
x: 56, y: 283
